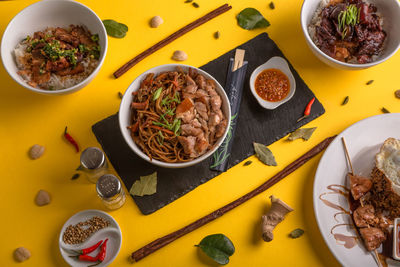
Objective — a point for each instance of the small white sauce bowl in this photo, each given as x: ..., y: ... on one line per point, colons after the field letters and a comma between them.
x: 273, y: 63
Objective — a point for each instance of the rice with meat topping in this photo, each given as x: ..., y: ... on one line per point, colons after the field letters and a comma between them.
x: 348, y: 30
x: 57, y: 58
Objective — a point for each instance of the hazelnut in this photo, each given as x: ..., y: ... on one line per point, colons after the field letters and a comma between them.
x: 21, y: 254
x: 179, y: 55
x: 156, y: 21
x: 36, y: 151
x: 42, y: 198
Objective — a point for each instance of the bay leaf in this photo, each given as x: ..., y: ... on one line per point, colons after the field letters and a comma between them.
x: 218, y: 247
x: 296, y: 233
x: 251, y: 18
x: 304, y: 133
x: 146, y: 186
x: 115, y: 29
x: 264, y: 154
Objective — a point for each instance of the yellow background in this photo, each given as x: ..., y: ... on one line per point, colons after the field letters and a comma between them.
x: 27, y: 118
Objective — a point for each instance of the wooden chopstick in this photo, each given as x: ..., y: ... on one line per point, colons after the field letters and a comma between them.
x: 216, y: 12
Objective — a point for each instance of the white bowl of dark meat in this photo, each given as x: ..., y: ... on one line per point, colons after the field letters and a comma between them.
x: 54, y: 47
x: 351, y: 34
x: 174, y: 115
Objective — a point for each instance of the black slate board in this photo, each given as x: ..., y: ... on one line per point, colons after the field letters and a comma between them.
x: 255, y: 124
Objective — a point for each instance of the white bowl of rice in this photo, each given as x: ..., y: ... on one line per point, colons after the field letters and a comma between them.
x: 81, y: 64
x: 387, y: 10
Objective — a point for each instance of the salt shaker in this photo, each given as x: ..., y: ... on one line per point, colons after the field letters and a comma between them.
x: 110, y: 191
x: 93, y: 163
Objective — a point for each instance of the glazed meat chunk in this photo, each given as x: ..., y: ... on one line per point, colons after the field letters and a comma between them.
x: 365, y: 216
x: 373, y: 237
x: 359, y: 186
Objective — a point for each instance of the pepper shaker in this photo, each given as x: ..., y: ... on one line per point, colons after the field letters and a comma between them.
x: 110, y: 191
x: 93, y: 163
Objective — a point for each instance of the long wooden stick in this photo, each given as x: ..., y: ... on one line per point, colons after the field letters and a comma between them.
x: 163, y: 241
x: 375, y: 252
x: 209, y: 16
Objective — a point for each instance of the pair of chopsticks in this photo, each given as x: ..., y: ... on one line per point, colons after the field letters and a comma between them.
x: 209, y: 16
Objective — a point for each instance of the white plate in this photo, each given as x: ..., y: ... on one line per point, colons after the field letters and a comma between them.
x: 112, y: 232
x: 363, y: 140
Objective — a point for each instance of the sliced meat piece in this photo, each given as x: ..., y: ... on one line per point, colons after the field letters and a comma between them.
x: 201, y: 145
x: 195, y: 123
x: 365, y: 216
x: 185, y: 110
x: 188, y: 143
x: 220, y: 128
x: 201, y: 93
x: 201, y: 81
x: 39, y: 35
x: 189, y: 81
x: 191, y: 86
x: 39, y: 75
x: 188, y: 95
x: 359, y: 186
x: 184, y: 106
x: 188, y: 129
x: 214, y: 120
x: 40, y: 78
x: 187, y: 116
x: 373, y: 237
x: 71, y: 71
x: 201, y: 109
x: 215, y: 102
x: 82, y: 35
x: 58, y: 65
x: 63, y: 35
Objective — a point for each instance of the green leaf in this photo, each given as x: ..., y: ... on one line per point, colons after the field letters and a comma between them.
x: 250, y: 18
x: 218, y: 247
x: 264, y: 154
x: 304, y: 133
x: 157, y: 94
x: 296, y: 233
x: 115, y: 29
x: 146, y: 186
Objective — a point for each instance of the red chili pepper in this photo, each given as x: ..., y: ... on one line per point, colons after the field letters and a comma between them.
x: 87, y: 250
x: 85, y: 257
x: 102, y: 254
x: 307, y: 111
x: 71, y: 140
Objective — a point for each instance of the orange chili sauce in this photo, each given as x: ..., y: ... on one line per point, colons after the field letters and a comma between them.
x: 272, y: 85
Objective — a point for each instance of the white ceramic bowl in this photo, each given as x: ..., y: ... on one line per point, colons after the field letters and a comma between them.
x: 273, y: 63
x: 39, y: 16
x: 124, y: 115
x: 390, y: 11
x: 112, y: 232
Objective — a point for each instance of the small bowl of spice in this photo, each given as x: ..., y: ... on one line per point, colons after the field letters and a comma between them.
x: 272, y: 83
x: 90, y: 237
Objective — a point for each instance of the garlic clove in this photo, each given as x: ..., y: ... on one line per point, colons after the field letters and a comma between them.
x: 179, y: 55
x: 156, y: 21
x: 42, y: 198
x: 36, y: 151
x: 21, y: 254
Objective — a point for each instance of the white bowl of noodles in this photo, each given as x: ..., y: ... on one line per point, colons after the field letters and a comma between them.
x: 127, y: 116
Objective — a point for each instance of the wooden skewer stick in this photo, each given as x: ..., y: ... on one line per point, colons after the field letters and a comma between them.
x: 375, y: 252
